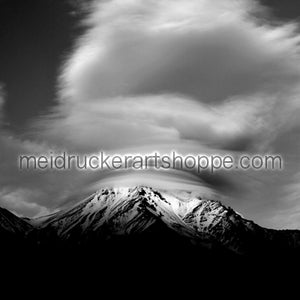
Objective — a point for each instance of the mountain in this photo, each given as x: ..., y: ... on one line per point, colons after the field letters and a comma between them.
x: 130, y: 233
x: 10, y: 224
x: 162, y: 217
x: 13, y: 230
x: 144, y: 218
x: 141, y: 236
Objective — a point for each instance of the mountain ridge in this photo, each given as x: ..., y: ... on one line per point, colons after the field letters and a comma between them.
x: 12, y: 224
x: 123, y: 212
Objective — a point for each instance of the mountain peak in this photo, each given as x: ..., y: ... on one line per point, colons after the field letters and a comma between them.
x: 114, y: 212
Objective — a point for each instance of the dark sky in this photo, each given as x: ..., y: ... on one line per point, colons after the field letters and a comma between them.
x: 35, y: 36
x: 285, y: 10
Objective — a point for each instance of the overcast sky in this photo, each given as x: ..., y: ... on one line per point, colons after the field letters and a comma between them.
x: 143, y: 76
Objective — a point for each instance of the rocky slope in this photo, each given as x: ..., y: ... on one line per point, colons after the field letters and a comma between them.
x: 13, y: 230
x: 121, y: 212
x: 145, y: 215
x: 10, y: 224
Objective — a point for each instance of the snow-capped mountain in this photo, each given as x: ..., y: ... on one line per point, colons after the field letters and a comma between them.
x: 127, y: 212
x: 153, y: 216
x: 129, y: 233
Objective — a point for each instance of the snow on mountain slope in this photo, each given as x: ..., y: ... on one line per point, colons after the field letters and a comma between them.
x: 118, y: 211
x: 128, y: 211
x: 168, y: 216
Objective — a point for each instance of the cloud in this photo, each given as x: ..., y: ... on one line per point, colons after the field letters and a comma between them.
x: 286, y: 213
x: 31, y: 193
x: 192, y: 75
x: 157, y: 71
x: 207, y: 51
x: 23, y: 202
x: 34, y: 192
x: 189, y: 75
x: 177, y: 180
x: 113, y: 124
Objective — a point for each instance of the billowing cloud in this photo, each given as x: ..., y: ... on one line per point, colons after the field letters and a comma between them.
x: 157, y: 71
x: 188, y: 75
x: 242, y: 124
x: 207, y: 51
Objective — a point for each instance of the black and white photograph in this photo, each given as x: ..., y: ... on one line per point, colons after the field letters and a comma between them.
x: 144, y: 137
